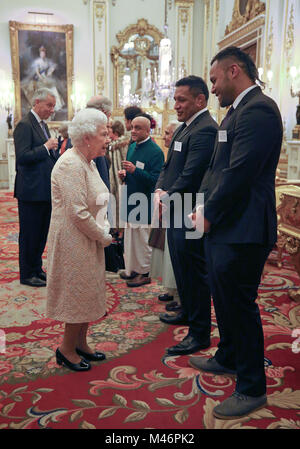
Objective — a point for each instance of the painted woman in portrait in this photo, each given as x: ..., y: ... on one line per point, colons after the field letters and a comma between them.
x: 41, y: 75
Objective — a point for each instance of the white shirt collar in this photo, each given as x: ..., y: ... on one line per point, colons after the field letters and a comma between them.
x: 191, y: 119
x: 36, y: 116
x: 241, y: 96
x: 139, y: 143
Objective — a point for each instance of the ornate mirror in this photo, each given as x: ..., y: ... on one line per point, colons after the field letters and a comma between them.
x: 136, y: 56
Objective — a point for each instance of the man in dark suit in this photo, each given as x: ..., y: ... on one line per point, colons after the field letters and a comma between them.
x: 104, y: 105
x: 35, y: 159
x: 188, y: 158
x: 240, y: 222
x: 64, y: 141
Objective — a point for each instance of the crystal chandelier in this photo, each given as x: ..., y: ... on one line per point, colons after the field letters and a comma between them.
x: 78, y: 98
x: 165, y: 82
x: 128, y: 99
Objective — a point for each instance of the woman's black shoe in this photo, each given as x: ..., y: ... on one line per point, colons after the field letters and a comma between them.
x: 83, y: 365
x: 94, y: 357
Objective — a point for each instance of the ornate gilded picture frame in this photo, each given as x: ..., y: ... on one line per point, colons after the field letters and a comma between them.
x: 42, y: 56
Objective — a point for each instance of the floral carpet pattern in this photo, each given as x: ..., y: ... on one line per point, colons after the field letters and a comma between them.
x: 137, y: 386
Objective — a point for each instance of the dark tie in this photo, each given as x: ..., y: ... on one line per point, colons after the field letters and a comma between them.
x: 182, y: 127
x: 43, y: 126
x: 227, y: 116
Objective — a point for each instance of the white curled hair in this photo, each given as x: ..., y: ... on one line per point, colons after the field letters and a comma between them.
x: 85, y: 122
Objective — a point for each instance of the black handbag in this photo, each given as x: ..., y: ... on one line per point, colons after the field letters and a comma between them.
x: 114, y: 260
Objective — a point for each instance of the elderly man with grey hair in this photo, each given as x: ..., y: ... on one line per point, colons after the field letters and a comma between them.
x: 103, y: 104
x: 35, y: 159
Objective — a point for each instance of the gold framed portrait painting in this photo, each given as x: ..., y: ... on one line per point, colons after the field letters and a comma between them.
x: 42, y: 56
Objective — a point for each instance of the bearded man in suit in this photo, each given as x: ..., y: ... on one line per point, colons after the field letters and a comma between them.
x: 35, y: 159
x: 241, y: 226
x: 188, y: 158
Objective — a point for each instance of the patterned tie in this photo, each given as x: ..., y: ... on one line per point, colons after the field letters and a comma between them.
x: 227, y: 116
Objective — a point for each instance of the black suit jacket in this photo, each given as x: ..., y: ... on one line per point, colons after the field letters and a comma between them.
x: 183, y: 170
x: 239, y: 186
x: 60, y: 142
x: 33, y: 163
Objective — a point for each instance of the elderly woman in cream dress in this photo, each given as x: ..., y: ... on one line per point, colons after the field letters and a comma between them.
x: 78, y: 233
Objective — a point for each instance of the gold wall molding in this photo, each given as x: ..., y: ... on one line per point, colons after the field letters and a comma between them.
x: 184, y: 34
x: 184, y: 18
x: 184, y: 2
x: 253, y: 9
x: 100, y: 76
x: 100, y: 14
x: 269, y: 46
x: 290, y: 39
x: 290, y: 31
x: 217, y: 11
x: 142, y: 27
x: 245, y: 29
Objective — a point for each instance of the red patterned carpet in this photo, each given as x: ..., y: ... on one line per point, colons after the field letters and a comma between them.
x: 137, y: 387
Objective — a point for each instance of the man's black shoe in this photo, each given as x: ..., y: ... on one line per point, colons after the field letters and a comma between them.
x: 165, y: 297
x: 173, y: 319
x: 41, y: 275
x: 188, y: 346
x: 33, y: 282
x: 173, y: 307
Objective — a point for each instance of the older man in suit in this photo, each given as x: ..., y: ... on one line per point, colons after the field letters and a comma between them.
x: 188, y: 158
x: 35, y: 158
x: 240, y: 222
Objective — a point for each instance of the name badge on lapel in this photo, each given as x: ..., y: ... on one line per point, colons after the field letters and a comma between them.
x: 222, y: 136
x: 140, y: 165
x: 177, y: 146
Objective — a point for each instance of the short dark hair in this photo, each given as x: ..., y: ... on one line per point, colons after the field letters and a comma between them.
x: 131, y: 112
x: 118, y: 128
x: 196, y: 84
x: 148, y: 116
x: 242, y: 58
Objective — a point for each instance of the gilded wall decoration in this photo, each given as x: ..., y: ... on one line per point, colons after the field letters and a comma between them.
x: 100, y: 76
x: 243, y: 12
x: 217, y: 11
x: 269, y: 47
x: 289, y: 39
x: 184, y: 18
x: 100, y: 13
